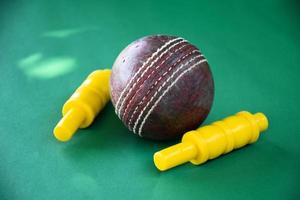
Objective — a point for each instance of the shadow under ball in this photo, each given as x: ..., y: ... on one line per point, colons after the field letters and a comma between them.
x: 161, y: 87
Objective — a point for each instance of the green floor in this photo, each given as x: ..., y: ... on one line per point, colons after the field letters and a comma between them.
x: 48, y: 47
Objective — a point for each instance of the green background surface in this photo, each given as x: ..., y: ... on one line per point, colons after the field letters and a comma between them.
x: 48, y: 47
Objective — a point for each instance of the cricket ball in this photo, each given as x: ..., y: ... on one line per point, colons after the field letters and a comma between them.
x: 161, y: 87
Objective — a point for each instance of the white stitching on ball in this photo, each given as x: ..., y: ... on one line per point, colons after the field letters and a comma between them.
x: 156, y: 82
x: 150, y: 101
x: 143, y: 65
x: 143, y: 73
x: 168, y: 88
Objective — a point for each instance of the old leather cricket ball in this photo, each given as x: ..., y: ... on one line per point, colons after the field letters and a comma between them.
x: 161, y: 87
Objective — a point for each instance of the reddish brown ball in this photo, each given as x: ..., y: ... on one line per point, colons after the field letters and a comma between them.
x: 161, y: 87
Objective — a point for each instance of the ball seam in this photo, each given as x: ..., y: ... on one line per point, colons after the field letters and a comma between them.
x: 159, y: 79
x: 140, y: 69
x: 149, y: 90
x: 159, y: 89
x: 168, y: 88
x: 143, y: 73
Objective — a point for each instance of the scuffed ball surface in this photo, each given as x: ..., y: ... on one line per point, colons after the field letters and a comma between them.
x: 161, y: 86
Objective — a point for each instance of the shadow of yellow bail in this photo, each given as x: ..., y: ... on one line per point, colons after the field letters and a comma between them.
x: 82, y: 107
x: 209, y: 142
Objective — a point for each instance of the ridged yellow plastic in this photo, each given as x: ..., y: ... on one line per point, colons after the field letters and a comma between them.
x: 211, y: 141
x: 83, y: 106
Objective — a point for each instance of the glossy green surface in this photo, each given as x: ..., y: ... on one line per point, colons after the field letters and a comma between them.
x: 48, y: 47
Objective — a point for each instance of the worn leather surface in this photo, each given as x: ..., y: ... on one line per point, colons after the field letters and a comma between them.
x: 165, y: 86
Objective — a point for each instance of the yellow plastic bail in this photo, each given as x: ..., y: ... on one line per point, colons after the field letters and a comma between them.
x: 82, y: 107
x: 209, y: 142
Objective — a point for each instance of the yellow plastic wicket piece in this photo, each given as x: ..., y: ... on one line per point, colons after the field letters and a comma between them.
x: 83, y: 106
x: 211, y: 141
